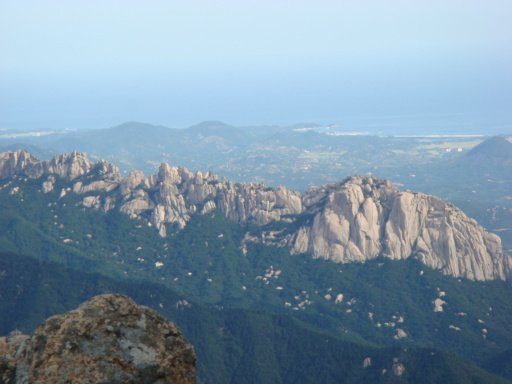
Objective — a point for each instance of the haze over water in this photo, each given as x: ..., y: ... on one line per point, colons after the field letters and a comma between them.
x: 393, y: 68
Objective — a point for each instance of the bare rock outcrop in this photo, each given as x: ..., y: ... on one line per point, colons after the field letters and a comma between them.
x: 68, y: 166
x: 13, y: 163
x: 357, y: 219
x: 8, y: 348
x: 363, y: 217
x: 176, y: 193
x: 108, y: 339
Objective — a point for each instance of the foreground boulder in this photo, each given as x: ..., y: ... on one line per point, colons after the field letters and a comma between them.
x: 108, y: 339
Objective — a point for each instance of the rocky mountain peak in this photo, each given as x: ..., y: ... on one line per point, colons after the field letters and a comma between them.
x: 106, y: 339
x: 364, y: 217
x: 12, y: 163
x: 359, y: 187
x: 68, y: 166
x: 356, y: 219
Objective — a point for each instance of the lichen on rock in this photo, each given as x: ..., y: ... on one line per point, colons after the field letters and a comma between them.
x: 106, y: 339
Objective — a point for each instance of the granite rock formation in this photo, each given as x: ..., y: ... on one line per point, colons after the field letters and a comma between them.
x: 357, y: 219
x: 108, y: 339
x: 176, y: 193
x: 363, y: 217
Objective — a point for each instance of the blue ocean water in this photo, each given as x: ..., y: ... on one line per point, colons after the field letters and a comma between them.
x: 425, y: 125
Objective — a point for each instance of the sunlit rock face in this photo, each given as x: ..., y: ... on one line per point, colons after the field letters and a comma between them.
x: 357, y: 219
x: 108, y: 339
x: 363, y: 217
x: 180, y: 193
x: 68, y: 166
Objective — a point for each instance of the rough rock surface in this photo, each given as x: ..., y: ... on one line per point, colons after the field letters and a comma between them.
x: 66, y: 166
x: 357, y: 219
x: 176, y: 193
x: 8, y: 348
x: 363, y: 217
x: 108, y: 339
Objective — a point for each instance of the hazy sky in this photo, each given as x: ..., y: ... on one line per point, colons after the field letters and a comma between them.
x: 66, y: 64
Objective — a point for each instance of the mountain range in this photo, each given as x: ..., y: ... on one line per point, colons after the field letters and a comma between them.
x: 425, y: 274
x: 297, y: 156
x: 233, y: 345
x: 357, y: 219
x: 465, y: 170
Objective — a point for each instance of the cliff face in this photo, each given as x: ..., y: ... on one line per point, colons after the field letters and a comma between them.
x: 364, y: 217
x: 354, y: 220
x: 106, y: 339
x: 171, y: 196
x: 66, y: 166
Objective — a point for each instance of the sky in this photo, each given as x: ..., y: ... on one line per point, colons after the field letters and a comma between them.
x: 368, y: 63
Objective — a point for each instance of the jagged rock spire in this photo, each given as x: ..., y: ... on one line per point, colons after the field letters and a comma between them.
x: 357, y: 219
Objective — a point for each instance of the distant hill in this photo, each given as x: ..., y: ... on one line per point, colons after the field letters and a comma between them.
x: 483, y: 175
x: 37, y: 151
x: 216, y: 134
x: 297, y: 156
x: 217, y: 128
x: 496, y: 147
x: 494, y: 155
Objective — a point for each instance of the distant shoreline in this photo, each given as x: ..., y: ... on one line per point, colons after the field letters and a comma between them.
x: 433, y: 136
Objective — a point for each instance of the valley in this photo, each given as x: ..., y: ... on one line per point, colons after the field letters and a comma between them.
x: 301, y: 156
x: 223, y: 247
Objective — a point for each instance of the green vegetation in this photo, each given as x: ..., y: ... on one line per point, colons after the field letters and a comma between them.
x: 274, y: 155
x: 232, y: 345
x: 206, y: 263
